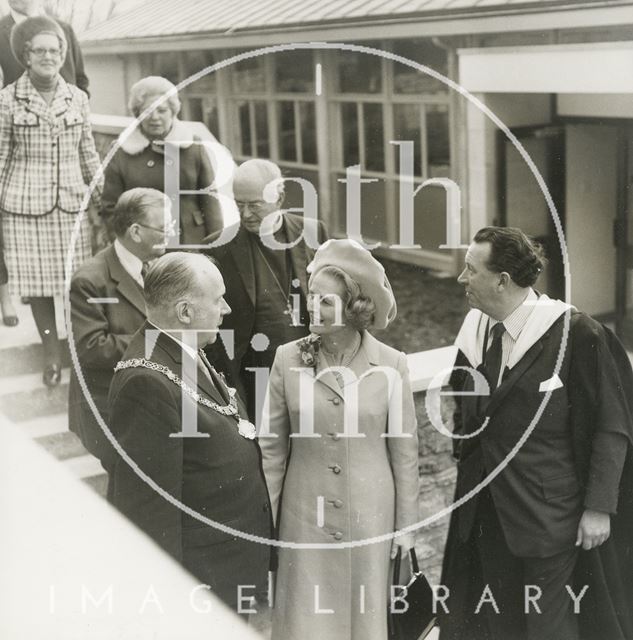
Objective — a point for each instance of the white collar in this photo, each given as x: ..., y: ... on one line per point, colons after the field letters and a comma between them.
x: 515, y: 321
x: 131, y: 263
x: 137, y: 141
x: 193, y: 353
x: 545, y: 311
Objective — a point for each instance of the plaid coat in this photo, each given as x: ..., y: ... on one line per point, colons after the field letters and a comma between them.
x: 47, y: 153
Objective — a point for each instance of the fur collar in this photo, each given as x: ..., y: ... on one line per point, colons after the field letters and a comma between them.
x: 137, y: 142
x: 546, y: 311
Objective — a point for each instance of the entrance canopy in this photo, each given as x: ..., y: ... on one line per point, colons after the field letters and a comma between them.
x: 589, y: 68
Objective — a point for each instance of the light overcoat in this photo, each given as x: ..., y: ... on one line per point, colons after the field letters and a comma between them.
x: 332, y: 489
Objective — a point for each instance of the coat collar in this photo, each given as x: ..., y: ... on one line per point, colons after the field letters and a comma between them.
x: 126, y: 285
x: 367, y: 356
x: 169, y: 352
x: 27, y: 93
x: 136, y: 142
x: 240, y: 250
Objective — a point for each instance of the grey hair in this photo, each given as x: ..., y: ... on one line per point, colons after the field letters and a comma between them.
x: 172, y: 277
x: 359, y: 310
x: 152, y: 86
x: 133, y: 205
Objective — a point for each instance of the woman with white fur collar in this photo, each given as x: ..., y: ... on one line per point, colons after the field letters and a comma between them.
x: 140, y: 160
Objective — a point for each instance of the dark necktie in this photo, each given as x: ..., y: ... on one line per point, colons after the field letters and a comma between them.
x: 212, y: 375
x: 144, y: 270
x: 492, y: 362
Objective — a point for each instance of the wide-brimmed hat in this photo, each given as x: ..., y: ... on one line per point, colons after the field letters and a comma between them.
x: 23, y: 32
x: 358, y: 263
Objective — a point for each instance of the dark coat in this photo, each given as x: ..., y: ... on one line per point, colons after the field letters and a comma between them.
x: 236, y: 264
x: 577, y: 457
x: 138, y: 163
x: 101, y: 334
x: 218, y: 476
x: 72, y: 70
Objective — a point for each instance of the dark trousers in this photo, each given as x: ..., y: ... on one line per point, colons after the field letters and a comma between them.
x: 507, y: 576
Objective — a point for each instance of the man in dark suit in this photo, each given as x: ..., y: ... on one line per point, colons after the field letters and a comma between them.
x: 198, y: 483
x: 549, y: 443
x: 107, y: 307
x: 266, y: 284
x: 73, y: 68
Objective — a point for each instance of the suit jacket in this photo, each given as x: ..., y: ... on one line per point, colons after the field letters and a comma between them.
x: 542, y: 491
x: 101, y: 332
x: 217, y: 475
x: 47, y: 152
x: 72, y: 70
x: 236, y: 264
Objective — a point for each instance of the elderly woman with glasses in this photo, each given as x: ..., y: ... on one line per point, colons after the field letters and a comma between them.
x: 140, y: 159
x: 47, y: 159
x: 340, y: 455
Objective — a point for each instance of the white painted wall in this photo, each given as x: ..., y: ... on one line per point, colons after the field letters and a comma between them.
x: 614, y: 105
x: 591, y: 204
x: 107, y: 84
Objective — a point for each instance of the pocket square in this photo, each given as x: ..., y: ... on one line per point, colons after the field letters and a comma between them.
x: 550, y: 385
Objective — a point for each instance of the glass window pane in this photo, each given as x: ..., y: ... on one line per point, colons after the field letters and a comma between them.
x: 374, y: 140
x: 359, y: 73
x: 211, y: 117
x: 195, y: 61
x: 261, y: 130
x: 349, y: 128
x: 308, y: 132
x: 249, y: 75
x: 196, y: 110
x: 294, y: 71
x: 243, y: 112
x: 438, y: 141
x: 166, y: 65
x: 287, y: 127
x: 406, y: 127
x: 409, y: 80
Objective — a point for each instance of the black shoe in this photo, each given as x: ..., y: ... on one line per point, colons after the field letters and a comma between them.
x: 10, y: 321
x: 52, y: 375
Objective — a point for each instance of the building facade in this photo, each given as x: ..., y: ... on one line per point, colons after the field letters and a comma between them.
x: 558, y: 75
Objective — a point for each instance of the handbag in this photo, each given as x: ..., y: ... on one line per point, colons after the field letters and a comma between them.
x: 418, y: 619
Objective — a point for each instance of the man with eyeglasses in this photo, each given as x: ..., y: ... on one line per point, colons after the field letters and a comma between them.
x: 107, y: 306
x: 265, y: 287
x: 73, y: 68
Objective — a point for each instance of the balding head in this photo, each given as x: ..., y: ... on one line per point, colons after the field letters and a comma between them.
x: 185, y: 291
x: 251, y: 196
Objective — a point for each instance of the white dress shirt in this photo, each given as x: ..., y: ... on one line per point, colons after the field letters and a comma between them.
x: 131, y: 263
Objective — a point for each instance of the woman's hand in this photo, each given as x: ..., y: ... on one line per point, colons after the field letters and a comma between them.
x: 405, y: 541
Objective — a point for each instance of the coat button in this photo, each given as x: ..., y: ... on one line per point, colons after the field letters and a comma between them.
x: 150, y: 163
x: 336, y: 401
x: 335, y: 468
x: 265, y: 507
x: 338, y: 535
x: 338, y: 503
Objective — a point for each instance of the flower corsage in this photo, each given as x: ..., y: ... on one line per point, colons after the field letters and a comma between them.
x: 309, y: 349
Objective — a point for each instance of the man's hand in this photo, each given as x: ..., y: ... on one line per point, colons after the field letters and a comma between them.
x: 593, y: 530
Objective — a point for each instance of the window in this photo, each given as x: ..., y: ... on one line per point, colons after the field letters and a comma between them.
x: 194, y: 62
x: 359, y: 72
x: 406, y: 79
x: 249, y: 76
x: 252, y: 116
x: 294, y: 71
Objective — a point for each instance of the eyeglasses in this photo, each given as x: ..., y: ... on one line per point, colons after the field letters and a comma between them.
x: 170, y: 227
x: 40, y: 52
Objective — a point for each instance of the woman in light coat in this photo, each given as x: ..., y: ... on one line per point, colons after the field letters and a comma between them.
x: 340, y: 455
x: 47, y: 159
x: 139, y: 161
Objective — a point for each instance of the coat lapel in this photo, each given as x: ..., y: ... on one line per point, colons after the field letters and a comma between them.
x: 299, y: 257
x: 514, y: 374
x: 240, y: 252
x: 126, y: 285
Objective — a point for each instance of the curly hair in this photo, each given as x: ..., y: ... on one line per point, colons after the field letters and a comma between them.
x: 152, y: 87
x: 358, y: 309
x: 514, y: 252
